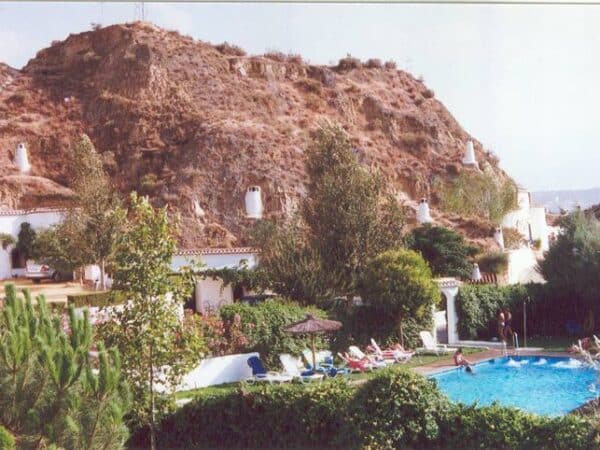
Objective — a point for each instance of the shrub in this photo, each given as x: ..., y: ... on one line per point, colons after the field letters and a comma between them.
x: 230, y: 50
x: 512, y: 238
x: 493, y: 262
x: 373, y: 63
x: 263, y: 324
x: 470, y: 428
x: 292, y: 416
x: 398, y: 409
x: 275, y: 56
x: 310, y: 85
x: 95, y: 299
x: 428, y: 93
x: 444, y: 249
x: 477, y: 194
x: 390, y: 64
x: 348, y: 63
x: 7, y: 441
x: 477, y: 307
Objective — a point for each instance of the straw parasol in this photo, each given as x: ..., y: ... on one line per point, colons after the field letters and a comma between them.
x: 311, y: 325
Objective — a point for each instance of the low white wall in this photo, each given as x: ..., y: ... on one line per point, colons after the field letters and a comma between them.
x: 218, y: 370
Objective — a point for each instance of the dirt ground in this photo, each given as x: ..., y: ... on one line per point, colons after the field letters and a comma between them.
x: 55, y: 292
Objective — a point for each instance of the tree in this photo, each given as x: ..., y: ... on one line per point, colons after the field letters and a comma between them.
x: 156, y: 346
x: 60, y: 247
x: 51, y: 393
x: 93, y: 220
x: 291, y: 267
x: 444, y: 249
x: 572, y: 264
x: 349, y: 219
x: 26, y: 241
x: 399, y: 283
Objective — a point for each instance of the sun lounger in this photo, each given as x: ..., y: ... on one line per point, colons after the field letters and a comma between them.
x: 325, y: 363
x: 392, y: 355
x: 431, y: 346
x: 291, y: 367
x: 359, y: 354
x: 260, y: 374
x: 355, y: 365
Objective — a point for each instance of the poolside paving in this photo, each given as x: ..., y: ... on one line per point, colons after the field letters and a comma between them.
x: 448, y: 363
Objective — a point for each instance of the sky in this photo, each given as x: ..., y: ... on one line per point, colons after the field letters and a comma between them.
x: 522, y: 79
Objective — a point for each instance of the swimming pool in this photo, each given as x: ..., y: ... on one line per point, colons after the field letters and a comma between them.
x: 541, y: 385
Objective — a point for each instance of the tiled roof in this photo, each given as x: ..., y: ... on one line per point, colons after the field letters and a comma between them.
x: 217, y: 251
x: 22, y: 212
x: 447, y: 282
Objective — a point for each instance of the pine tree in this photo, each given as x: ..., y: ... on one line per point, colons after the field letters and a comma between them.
x: 51, y: 393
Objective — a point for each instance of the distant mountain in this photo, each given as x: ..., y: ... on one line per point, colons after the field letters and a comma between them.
x: 554, y: 201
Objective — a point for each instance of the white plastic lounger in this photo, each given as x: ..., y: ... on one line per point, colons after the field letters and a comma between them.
x: 261, y: 375
x: 291, y: 367
x: 397, y: 356
x: 359, y: 354
x: 431, y: 346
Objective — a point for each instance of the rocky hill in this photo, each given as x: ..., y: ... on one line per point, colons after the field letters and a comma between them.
x: 185, y: 121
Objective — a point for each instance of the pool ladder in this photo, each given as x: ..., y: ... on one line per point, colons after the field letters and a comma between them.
x: 515, y: 346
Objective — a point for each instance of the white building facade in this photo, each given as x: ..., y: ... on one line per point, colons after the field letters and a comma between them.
x: 211, y: 294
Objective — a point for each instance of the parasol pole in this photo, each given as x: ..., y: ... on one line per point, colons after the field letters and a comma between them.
x: 312, y: 343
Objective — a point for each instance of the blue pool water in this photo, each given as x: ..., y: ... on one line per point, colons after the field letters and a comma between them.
x: 542, y: 385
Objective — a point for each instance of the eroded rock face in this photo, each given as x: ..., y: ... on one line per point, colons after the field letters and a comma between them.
x: 182, y: 121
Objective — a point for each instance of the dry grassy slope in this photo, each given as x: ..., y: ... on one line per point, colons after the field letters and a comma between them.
x: 187, y: 120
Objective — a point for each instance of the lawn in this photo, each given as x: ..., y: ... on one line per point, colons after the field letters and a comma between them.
x: 417, y: 360
x: 551, y: 343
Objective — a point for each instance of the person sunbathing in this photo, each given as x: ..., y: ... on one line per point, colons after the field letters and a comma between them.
x: 460, y: 360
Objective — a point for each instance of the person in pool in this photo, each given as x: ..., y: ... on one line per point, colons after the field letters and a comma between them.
x: 460, y: 360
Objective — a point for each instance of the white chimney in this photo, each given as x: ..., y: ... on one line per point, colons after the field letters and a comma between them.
x: 254, y: 205
x: 475, y: 274
x: 469, y: 158
x: 21, y: 160
x: 499, y: 237
x: 198, y: 210
x: 423, y: 215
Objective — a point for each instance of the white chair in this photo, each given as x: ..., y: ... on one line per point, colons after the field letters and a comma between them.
x: 359, y: 354
x: 431, y: 346
x: 392, y: 355
x: 291, y: 367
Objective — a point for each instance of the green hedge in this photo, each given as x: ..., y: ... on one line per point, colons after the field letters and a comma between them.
x: 396, y: 409
x: 7, y: 441
x: 477, y: 307
x: 263, y: 325
x: 105, y: 298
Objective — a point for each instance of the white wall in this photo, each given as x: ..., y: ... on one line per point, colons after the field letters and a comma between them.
x: 218, y: 370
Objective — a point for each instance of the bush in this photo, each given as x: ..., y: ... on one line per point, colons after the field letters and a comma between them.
x: 348, y: 63
x: 373, y: 63
x: 470, y: 427
x: 291, y: 416
x: 477, y: 307
x: 395, y: 409
x: 512, y: 238
x: 390, y: 64
x: 445, y: 250
x: 230, y: 50
x: 310, y: 85
x: 7, y: 441
x: 478, y: 194
x: 95, y: 299
x: 398, y: 409
x: 493, y: 262
x: 263, y: 324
